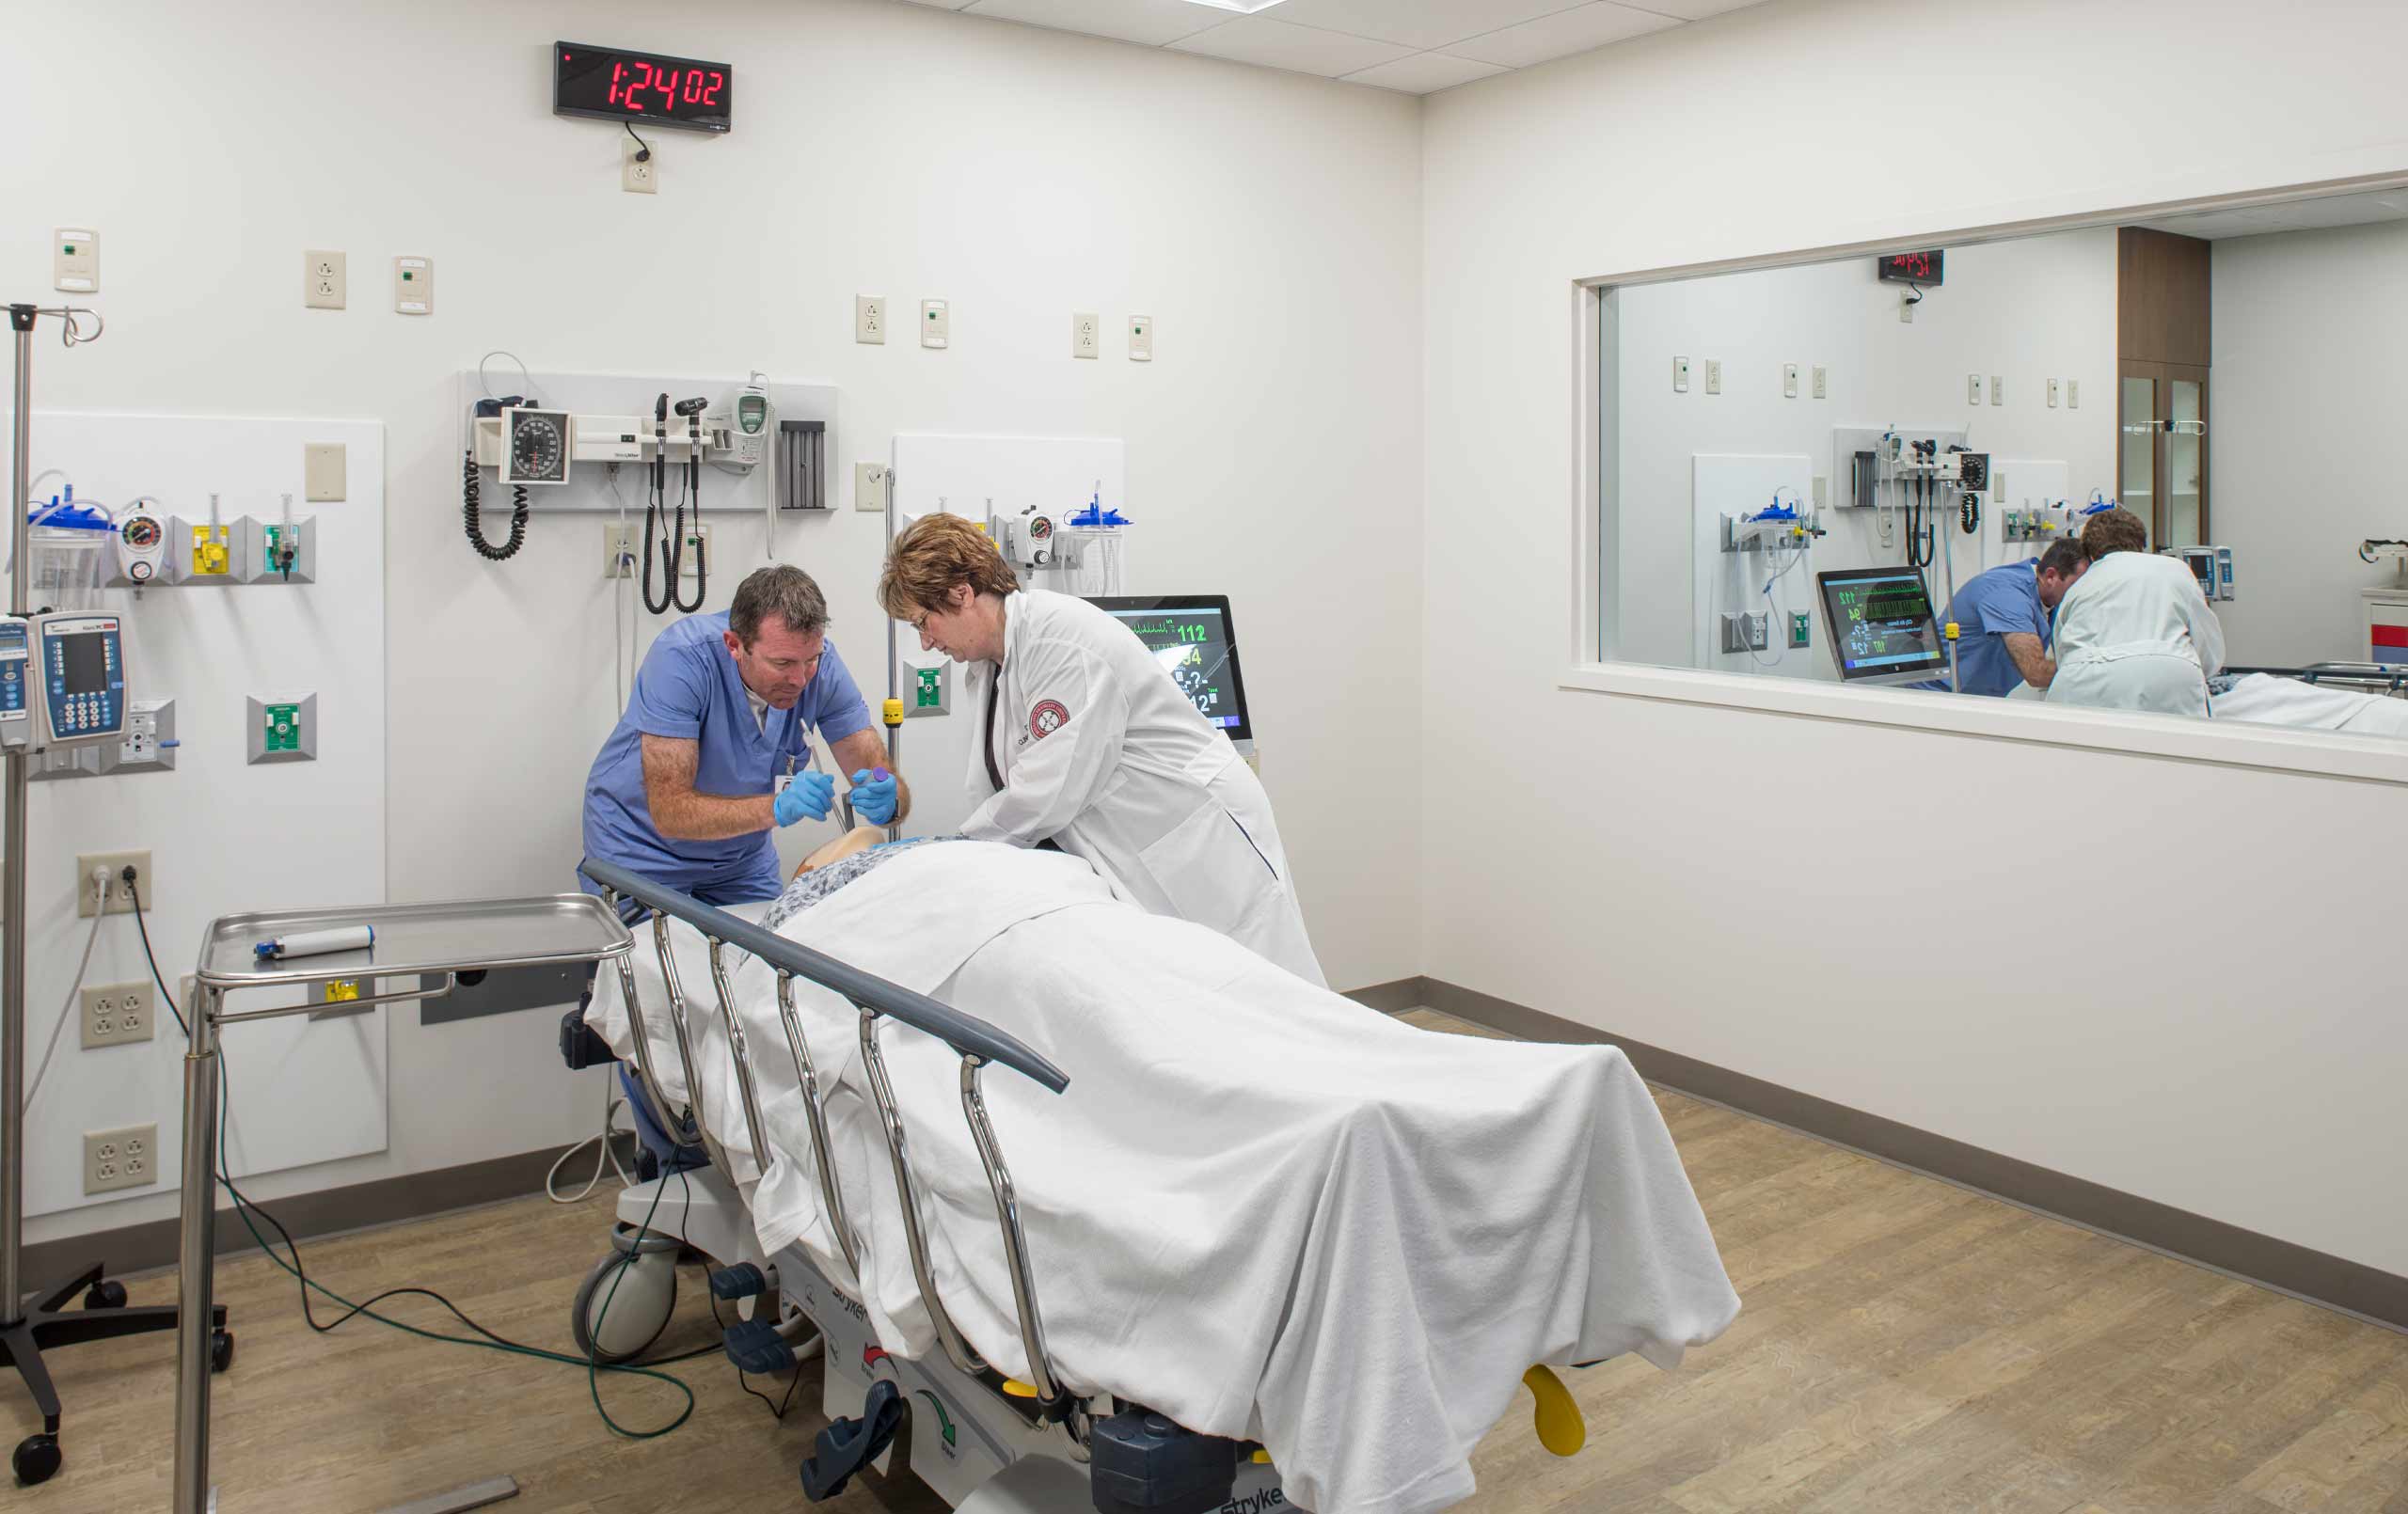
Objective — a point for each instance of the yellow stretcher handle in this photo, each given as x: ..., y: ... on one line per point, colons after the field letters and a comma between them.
x: 1561, y: 1429
x: 1014, y: 1388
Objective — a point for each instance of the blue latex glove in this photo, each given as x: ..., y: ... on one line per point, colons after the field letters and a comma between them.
x: 809, y: 796
x: 874, y: 797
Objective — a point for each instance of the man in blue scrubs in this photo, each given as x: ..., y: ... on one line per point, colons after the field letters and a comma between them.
x: 2003, y: 618
x: 713, y: 754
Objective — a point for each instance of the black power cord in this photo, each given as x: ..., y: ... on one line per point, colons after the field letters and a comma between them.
x: 472, y: 517
x: 484, y: 1339
x: 778, y: 1407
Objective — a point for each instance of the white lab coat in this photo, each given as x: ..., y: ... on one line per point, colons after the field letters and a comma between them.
x: 1101, y: 751
x: 2134, y: 633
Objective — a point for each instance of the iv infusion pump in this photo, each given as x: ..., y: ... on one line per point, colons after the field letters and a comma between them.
x: 62, y: 681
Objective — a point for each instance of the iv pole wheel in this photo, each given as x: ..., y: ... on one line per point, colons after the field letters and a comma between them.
x: 105, y: 1295
x: 221, y: 1350
x: 36, y: 1459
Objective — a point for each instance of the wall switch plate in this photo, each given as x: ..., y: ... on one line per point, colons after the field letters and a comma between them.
x: 1714, y: 375
x: 1141, y: 338
x: 1087, y: 335
x: 2073, y: 394
x: 871, y: 481
x: 282, y: 728
x: 122, y: 1157
x: 2054, y: 389
x: 414, y: 285
x: 117, y: 1014
x: 1822, y: 384
x: 1972, y: 388
x: 324, y: 282
x: 935, y: 324
x: 638, y: 178
x: 120, y: 903
x: 75, y: 260
x: 1680, y: 375
x: 869, y: 319
x: 1789, y: 381
x: 325, y: 470
x: 1998, y: 389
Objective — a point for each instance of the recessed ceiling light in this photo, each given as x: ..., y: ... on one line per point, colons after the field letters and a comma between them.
x: 1243, y: 7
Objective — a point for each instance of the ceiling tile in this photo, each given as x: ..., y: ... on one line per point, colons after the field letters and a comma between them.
x: 1561, y: 35
x: 1698, y: 10
x: 1417, y: 23
x: 1277, y: 44
x: 1150, y: 21
x: 1424, y: 72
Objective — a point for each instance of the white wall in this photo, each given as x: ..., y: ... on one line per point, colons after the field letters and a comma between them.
x: 2026, y: 311
x: 1267, y: 222
x: 2308, y: 330
x: 2060, y: 977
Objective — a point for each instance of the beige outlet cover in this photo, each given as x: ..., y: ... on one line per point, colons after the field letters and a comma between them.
x: 324, y: 470
x: 414, y: 285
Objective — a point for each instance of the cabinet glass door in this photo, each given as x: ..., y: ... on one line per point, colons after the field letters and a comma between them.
x: 2186, y: 473
x: 2136, y: 449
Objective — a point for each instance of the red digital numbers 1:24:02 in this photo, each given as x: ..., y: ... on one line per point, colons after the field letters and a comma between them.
x: 630, y: 84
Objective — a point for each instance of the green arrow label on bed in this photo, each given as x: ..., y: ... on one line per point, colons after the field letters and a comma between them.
x: 945, y: 1421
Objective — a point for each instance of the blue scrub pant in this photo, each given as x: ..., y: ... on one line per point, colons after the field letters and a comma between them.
x: 758, y: 883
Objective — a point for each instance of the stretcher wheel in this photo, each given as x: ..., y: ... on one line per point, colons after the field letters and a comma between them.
x: 625, y: 1302
x: 109, y: 1295
x: 36, y: 1459
x: 221, y: 1350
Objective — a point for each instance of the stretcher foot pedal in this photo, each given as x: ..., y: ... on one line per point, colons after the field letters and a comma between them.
x: 1142, y: 1463
x: 743, y: 1281
x: 847, y: 1446
x: 755, y: 1346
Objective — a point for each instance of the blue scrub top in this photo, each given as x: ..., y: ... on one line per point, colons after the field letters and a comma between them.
x: 2004, y: 599
x: 689, y: 691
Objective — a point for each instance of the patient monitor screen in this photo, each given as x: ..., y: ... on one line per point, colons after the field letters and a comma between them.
x: 1880, y: 623
x: 1192, y: 638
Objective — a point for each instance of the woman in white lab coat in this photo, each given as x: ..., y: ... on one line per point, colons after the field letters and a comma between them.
x: 1087, y: 743
x: 2134, y: 633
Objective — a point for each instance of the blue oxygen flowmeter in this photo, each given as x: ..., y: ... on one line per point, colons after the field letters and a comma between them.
x: 73, y: 671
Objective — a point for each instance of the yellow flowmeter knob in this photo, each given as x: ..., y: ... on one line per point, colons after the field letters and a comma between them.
x: 1014, y: 1388
x: 893, y: 710
x: 1561, y: 1429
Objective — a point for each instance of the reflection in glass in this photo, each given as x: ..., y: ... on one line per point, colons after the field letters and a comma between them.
x: 2136, y: 485
x: 2185, y: 482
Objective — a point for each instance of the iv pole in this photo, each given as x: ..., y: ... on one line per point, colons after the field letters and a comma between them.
x: 30, y: 1324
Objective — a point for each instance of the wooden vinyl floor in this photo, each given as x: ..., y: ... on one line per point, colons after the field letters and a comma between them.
x: 1906, y: 1347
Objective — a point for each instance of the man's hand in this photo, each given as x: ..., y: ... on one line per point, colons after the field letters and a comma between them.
x: 809, y: 796
x: 863, y: 752
x: 874, y: 797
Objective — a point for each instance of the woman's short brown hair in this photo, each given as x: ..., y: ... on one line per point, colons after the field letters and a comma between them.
x: 2117, y: 530
x: 933, y: 554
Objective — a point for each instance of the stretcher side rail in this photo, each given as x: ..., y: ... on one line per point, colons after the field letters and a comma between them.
x: 875, y: 998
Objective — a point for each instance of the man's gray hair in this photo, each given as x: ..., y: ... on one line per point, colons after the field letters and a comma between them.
x: 786, y: 593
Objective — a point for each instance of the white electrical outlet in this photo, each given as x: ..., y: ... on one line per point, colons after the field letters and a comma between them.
x: 935, y: 324
x: 1714, y: 375
x: 325, y: 284
x: 116, y: 1014
x: 2054, y: 389
x: 1972, y: 388
x: 1789, y: 381
x: 2073, y: 394
x: 122, y: 1157
x: 1822, y: 384
x: 1087, y: 335
x: 1680, y: 375
x: 120, y: 903
x: 869, y: 317
x: 1998, y: 389
x: 639, y: 167
x: 620, y: 544
x: 1907, y: 308
x: 75, y: 260
x: 871, y: 481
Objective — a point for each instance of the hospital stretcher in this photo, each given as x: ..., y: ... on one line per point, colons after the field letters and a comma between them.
x: 986, y: 1442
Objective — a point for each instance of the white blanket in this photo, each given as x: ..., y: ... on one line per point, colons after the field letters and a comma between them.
x: 2291, y: 702
x: 1260, y: 1208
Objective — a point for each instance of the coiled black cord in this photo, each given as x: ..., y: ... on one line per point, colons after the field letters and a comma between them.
x: 473, y: 520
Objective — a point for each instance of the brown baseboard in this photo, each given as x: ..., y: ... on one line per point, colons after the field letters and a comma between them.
x: 1391, y: 998
x: 152, y: 1245
x: 2313, y: 1276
